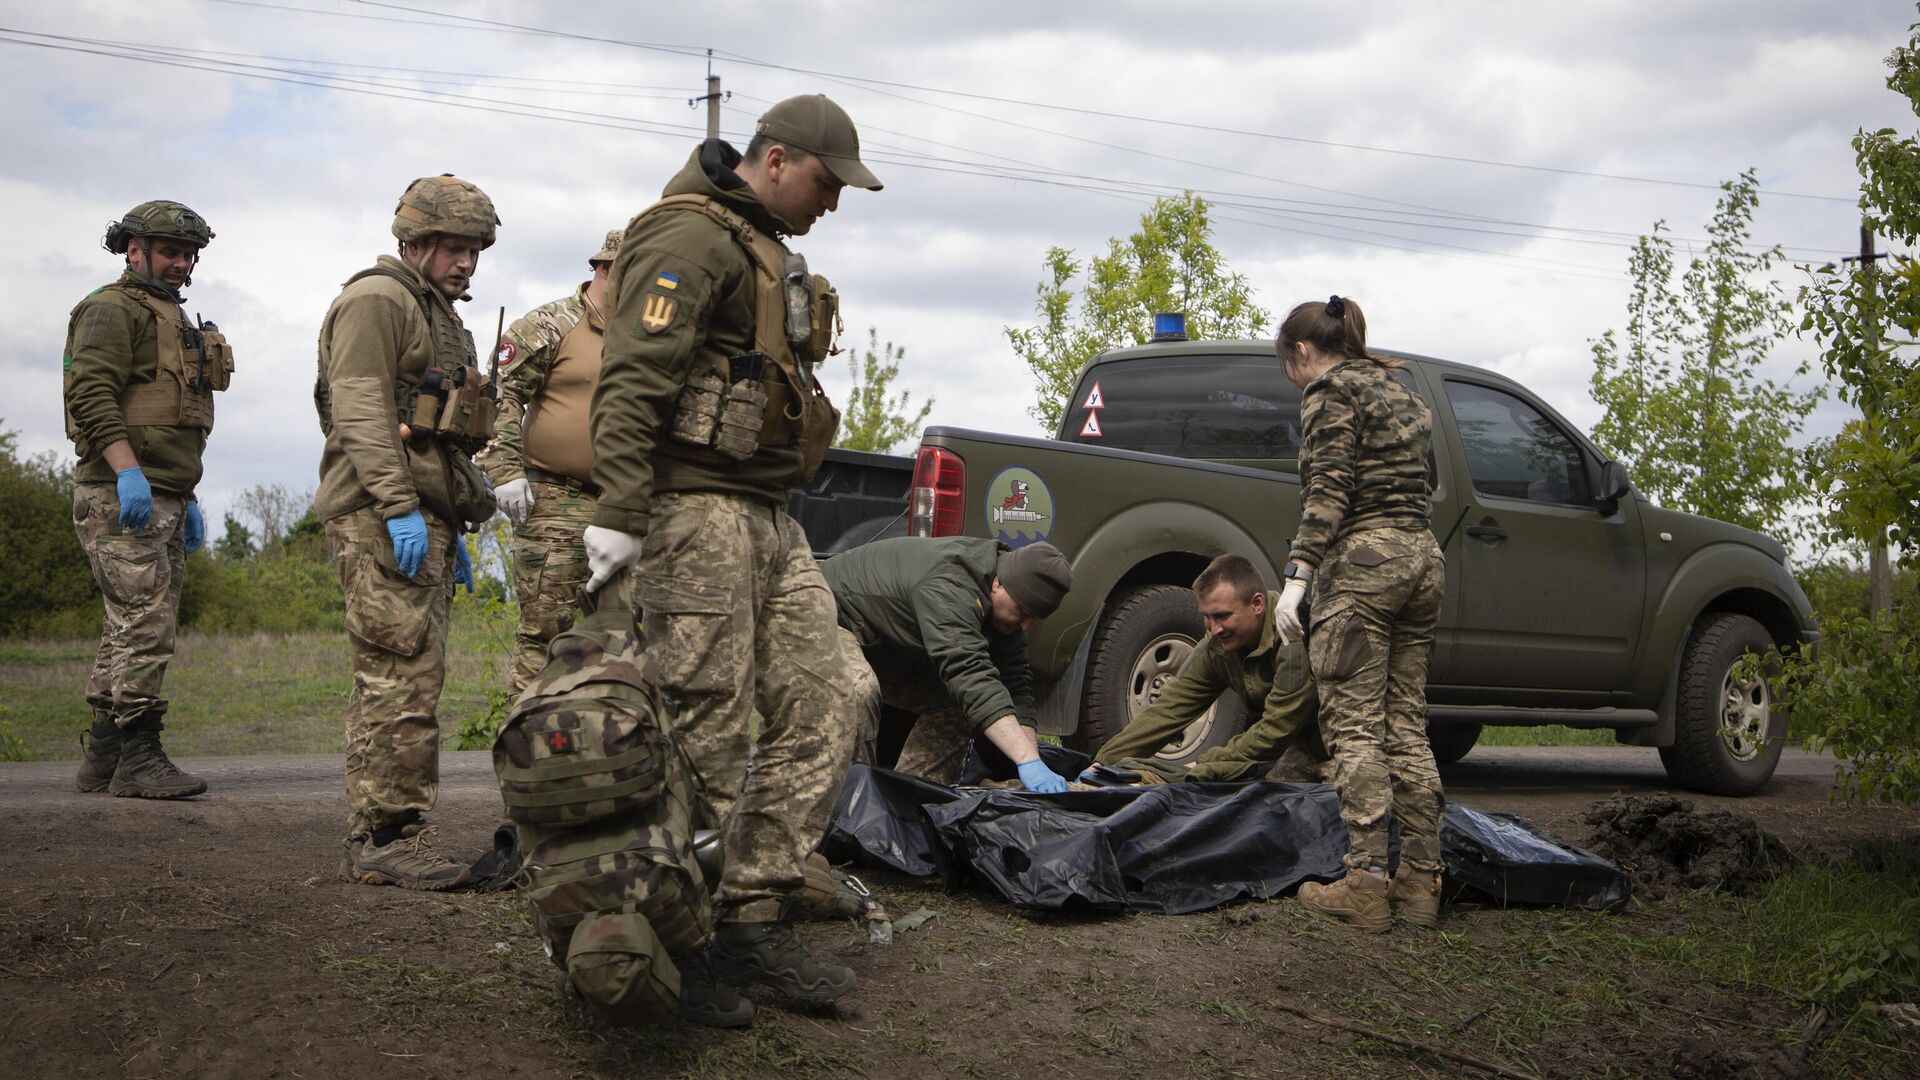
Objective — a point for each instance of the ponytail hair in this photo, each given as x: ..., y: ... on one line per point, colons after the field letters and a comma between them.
x: 1336, y: 327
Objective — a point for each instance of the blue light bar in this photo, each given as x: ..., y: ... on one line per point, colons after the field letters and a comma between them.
x: 1170, y: 326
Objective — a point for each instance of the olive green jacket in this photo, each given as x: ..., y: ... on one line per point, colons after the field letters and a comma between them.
x: 111, y: 341
x: 375, y: 335
x: 1271, y: 679
x: 690, y: 260
x: 921, y: 607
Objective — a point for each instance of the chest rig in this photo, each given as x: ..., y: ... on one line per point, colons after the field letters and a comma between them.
x: 769, y: 396
x: 193, y: 362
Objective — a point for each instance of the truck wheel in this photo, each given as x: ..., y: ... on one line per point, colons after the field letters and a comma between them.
x: 1451, y: 742
x: 1143, y: 640
x: 1727, y: 729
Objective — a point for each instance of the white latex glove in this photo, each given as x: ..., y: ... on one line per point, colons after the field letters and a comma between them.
x: 1286, y: 617
x: 515, y: 498
x: 609, y: 551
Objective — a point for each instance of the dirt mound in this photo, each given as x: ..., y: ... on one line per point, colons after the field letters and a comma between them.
x: 1666, y: 844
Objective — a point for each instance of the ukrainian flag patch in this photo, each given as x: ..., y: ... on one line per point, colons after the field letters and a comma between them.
x: 667, y: 281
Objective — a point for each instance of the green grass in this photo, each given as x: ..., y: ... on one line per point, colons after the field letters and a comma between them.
x: 1546, y: 735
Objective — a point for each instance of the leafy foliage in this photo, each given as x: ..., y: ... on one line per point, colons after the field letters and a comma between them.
x: 46, y: 572
x: 1686, y: 407
x: 1169, y: 264
x: 873, y: 421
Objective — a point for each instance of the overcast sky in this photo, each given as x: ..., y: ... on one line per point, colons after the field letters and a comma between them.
x: 985, y: 121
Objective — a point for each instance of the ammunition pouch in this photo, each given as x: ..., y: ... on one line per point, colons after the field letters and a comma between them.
x: 454, y: 405
x: 724, y: 407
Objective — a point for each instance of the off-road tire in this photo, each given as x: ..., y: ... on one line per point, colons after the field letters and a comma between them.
x: 1135, y: 619
x: 1451, y: 742
x: 1702, y: 757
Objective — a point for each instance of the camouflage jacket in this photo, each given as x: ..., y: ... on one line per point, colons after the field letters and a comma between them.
x: 526, y: 356
x: 111, y: 341
x: 1363, y: 458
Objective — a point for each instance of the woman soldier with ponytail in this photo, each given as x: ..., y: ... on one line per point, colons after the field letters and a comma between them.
x: 1366, y: 553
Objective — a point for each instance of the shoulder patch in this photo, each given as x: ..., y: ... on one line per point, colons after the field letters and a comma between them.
x: 657, y: 311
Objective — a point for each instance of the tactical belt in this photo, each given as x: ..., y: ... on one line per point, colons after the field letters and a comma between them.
x: 584, y: 487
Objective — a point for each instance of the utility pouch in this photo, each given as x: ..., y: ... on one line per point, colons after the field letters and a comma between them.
x: 472, y: 499
x: 622, y: 970
x: 823, y: 322
x: 452, y: 404
x: 819, y: 422
x: 697, y: 416
x: 216, y: 363
x: 745, y: 410
x: 797, y: 288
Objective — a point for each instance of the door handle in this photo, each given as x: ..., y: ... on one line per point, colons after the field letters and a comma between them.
x: 1489, y: 533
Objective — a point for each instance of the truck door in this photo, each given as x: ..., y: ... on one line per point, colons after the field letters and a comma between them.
x: 1551, y: 590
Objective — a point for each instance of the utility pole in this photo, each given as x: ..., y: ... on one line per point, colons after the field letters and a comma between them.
x: 1879, y: 569
x: 713, y: 97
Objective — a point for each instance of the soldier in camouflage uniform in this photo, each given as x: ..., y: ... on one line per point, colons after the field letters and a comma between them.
x: 1377, y: 578
x: 707, y: 415
x: 540, y: 461
x: 399, y: 401
x: 1242, y: 654
x: 139, y: 380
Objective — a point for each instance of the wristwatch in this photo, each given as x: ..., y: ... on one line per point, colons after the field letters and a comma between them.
x: 1293, y: 572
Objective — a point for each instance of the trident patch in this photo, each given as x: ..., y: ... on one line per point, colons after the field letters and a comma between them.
x: 657, y: 312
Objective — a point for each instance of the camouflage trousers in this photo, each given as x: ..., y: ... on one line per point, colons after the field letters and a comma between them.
x: 942, y: 732
x: 549, y: 569
x: 139, y: 573
x: 1376, y: 600
x: 738, y: 617
x: 397, y: 629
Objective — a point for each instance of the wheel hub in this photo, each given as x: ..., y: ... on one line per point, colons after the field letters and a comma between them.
x: 1746, y: 707
x: 1157, y: 665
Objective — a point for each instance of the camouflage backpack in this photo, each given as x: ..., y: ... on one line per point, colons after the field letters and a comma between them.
x: 605, y: 802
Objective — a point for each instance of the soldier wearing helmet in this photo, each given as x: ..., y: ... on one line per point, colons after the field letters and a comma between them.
x: 139, y: 379
x: 540, y: 461
x: 404, y: 406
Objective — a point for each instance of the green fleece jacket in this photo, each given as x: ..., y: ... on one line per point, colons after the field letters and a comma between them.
x: 919, y: 604
x: 684, y: 264
x: 112, y: 341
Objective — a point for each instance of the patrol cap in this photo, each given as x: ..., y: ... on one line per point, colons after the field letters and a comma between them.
x: 609, y: 248
x: 1037, y: 576
x: 812, y: 122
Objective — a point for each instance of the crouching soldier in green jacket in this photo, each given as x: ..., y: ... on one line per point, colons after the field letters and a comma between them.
x: 139, y: 384
x: 1242, y: 654
x: 943, y: 627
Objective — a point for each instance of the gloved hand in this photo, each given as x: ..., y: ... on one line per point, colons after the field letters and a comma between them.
x: 136, y: 497
x: 196, y: 531
x: 462, y: 565
x: 1037, y: 777
x: 609, y: 551
x: 409, y: 532
x: 1286, y: 617
x: 515, y: 498
x: 1090, y: 773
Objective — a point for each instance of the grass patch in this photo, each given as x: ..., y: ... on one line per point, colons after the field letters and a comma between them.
x: 1546, y: 735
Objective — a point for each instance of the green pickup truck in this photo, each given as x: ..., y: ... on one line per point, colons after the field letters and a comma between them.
x: 1570, y: 598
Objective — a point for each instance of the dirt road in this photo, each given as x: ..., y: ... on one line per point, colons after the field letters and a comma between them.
x: 211, y: 938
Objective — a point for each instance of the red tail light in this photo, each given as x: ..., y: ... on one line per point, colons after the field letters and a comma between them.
x: 939, y: 490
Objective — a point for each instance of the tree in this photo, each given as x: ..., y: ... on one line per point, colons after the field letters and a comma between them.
x: 237, y: 544
x: 872, y: 421
x: 275, y: 510
x: 1686, y: 406
x: 47, y: 574
x: 1170, y: 264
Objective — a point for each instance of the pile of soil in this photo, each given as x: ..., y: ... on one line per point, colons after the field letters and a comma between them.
x: 1666, y: 845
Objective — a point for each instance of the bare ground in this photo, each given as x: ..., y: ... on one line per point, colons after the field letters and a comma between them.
x: 210, y: 938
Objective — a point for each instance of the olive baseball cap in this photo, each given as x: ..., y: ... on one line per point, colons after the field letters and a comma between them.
x: 1036, y: 576
x: 609, y: 248
x: 812, y: 122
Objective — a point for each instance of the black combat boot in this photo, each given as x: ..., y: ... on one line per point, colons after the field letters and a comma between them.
x: 707, y: 1001
x: 144, y: 771
x: 99, y: 752
x: 770, y: 954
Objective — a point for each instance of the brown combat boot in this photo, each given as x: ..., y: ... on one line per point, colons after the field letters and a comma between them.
x: 406, y: 861
x: 144, y: 771
x: 1360, y: 898
x: 99, y: 753
x: 1416, y: 896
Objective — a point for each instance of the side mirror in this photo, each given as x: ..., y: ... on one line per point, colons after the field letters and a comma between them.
x: 1614, y: 486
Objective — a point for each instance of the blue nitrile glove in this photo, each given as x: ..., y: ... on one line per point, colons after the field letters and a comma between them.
x: 136, y: 497
x: 462, y: 565
x: 1037, y: 777
x: 196, y: 528
x: 409, y: 532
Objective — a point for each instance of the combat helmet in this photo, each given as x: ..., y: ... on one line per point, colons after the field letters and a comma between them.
x: 444, y: 204
x: 157, y: 218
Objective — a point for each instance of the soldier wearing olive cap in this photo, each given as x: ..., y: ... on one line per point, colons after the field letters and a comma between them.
x: 402, y: 403
x: 540, y: 461
x: 708, y: 413
x: 138, y: 385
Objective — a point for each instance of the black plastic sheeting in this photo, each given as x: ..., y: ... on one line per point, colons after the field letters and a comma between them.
x: 1177, y: 848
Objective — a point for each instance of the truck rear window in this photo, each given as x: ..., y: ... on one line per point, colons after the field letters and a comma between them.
x: 1220, y: 408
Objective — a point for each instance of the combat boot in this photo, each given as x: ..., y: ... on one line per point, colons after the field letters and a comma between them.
x: 1416, y: 896
x: 1360, y: 898
x: 770, y: 954
x: 705, y: 1000
x: 144, y: 770
x: 405, y: 860
x: 99, y: 753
